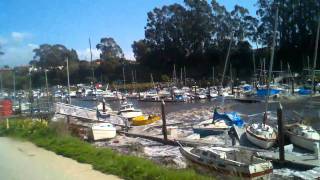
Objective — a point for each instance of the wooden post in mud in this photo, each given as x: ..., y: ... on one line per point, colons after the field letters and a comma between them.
x: 164, y: 124
x: 7, y: 121
x: 292, y: 86
x: 280, y: 135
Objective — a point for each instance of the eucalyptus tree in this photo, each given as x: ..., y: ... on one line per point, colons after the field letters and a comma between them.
x: 109, y: 49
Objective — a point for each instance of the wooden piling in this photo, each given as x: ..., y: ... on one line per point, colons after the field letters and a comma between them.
x: 280, y: 134
x: 164, y: 124
x: 7, y: 122
x: 292, y: 87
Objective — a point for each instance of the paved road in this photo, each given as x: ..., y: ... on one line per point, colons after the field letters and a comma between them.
x: 25, y: 161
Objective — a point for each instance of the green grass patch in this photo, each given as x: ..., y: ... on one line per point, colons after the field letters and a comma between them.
x: 102, y: 159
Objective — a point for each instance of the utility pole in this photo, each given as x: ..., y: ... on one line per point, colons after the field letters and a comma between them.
x: 30, y: 92
x: 174, y: 75
x: 152, y: 80
x: 181, y: 76
x: 67, y: 59
x: 14, y: 85
x: 47, y: 86
x: 91, y: 61
x: 132, y: 76
x: 212, y: 75
x: 124, y: 78
x: 185, y: 75
x: 135, y: 76
x: 1, y: 85
x: 315, y: 56
x: 254, y: 63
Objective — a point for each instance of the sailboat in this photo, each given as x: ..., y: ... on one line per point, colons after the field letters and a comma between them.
x: 304, y: 135
x: 262, y: 134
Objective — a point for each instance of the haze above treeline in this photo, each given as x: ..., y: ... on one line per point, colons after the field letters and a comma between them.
x: 194, y: 35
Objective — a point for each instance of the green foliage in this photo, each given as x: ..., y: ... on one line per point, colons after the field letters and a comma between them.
x: 109, y: 49
x: 165, y: 78
x: 297, y: 29
x: 102, y: 159
x: 51, y: 56
x: 197, y: 35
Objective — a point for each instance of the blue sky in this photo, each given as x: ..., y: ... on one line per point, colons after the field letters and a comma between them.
x: 25, y: 24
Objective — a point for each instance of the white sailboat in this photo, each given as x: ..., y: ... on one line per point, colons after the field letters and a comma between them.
x: 103, y: 131
x: 304, y: 136
x: 261, y: 134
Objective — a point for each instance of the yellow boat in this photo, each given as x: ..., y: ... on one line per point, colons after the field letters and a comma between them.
x: 144, y: 120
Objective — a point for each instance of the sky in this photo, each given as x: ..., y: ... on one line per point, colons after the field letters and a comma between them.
x: 26, y: 24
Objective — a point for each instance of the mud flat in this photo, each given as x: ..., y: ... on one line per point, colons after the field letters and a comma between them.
x: 24, y: 160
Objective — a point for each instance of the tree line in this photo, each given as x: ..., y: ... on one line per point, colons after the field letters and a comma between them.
x: 195, y: 36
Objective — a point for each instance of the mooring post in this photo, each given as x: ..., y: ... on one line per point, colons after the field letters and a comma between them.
x: 164, y: 124
x: 232, y: 90
x: 139, y: 94
x: 103, y: 105
x: 292, y: 86
x: 68, y: 122
x: 8, y: 126
x: 280, y: 134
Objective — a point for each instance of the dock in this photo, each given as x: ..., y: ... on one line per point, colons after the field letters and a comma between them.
x: 87, y: 114
x: 303, y: 159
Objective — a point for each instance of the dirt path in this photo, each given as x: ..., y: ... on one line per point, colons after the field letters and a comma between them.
x: 24, y: 161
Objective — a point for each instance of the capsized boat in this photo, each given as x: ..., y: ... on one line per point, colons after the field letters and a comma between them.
x: 231, y: 117
x: 144, y: 120
x: 128, y: 111
x: 211, y: 127
x: 303, y: 136
x: 261, y: 135
x: 230, y: 161
x: 103, y: 131
x: 218, y: 124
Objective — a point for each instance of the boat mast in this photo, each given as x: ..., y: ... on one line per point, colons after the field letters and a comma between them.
x: 69, y: 97
x: 91, y: 61
x: 271, y: 63
x: 14, y: 85
x: 212, y: 75
x: 227, y: 59
x: 315, y: 56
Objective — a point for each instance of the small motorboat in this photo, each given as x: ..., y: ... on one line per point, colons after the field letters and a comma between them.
x: 103, y: 131
x: 261, y: 135
x: 144, y: 120
x: 229, y: 161
x: 128, y: 111
x: 303, y: 136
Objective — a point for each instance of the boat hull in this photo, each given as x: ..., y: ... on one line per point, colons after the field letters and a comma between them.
x: 104, y: 131
x: 208, y: 131
x: 304, y: 142
x: 243, y: 172
x: 262, y: 143
x: 131, y: 114
x: 141, y: 120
